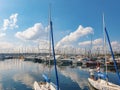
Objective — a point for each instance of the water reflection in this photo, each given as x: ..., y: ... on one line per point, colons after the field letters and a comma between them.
x: 1, y: 88
x: 24, y: 78
x: 20, y: 75
x: 76, y: 75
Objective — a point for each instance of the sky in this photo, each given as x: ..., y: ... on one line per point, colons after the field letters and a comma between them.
x: 24, y: 23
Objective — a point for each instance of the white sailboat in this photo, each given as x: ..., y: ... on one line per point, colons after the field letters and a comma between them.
x: 44, y: 86
x: 104, y: 84
x: 48, y: 85
x: 101, y: 84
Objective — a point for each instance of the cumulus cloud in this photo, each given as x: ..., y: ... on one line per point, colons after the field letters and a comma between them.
x: 115, y: 45
x: 6, y: 45
x: 2, y: 34
x: 41, y: 46
x: 98, y: 44
x: 98, y: 41
x: 10, y: 23
x: 44, y: 44
x: 74, y: 36
x: 85, y: 43
x: 32, y: 33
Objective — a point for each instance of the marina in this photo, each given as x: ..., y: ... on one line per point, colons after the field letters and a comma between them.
x: 59, y: 45
x: 17, y: 74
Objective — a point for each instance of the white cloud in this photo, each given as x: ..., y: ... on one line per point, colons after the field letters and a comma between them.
x: 2, y: 34
x: 115, y: 45
x: 6, y: 45
x: 43, y: 44
x: 98, y: 41
x: 85, y: 43
x: 10, y: 23
x: 74, y: 36
x: 6, y: 24
x: 68, y: 46
x: 24, y: 47
x: 98, y: 44
x: 32, y: 33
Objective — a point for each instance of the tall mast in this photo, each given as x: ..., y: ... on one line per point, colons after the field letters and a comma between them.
x: 53, y: 50
x: 104, y: 45
x: 91, y: 48
x: 49, y: 38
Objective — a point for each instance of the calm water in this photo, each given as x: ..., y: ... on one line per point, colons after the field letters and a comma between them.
x: 20, y: 75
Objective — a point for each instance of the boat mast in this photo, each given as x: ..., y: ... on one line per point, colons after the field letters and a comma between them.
x: 49, y: 35
x: 91, y: 49
x: 105, y: 45
x: 113, y: 57
x: 53, y: 50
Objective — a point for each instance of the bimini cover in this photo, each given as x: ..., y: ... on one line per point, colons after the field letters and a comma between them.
x: 102, y: 75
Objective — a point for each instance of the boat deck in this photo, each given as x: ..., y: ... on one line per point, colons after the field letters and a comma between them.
x: 44, y: 86
x: 102, y: 84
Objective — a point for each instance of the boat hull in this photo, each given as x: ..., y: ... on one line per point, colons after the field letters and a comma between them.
x: 103, y: 85
x: 44, y: 86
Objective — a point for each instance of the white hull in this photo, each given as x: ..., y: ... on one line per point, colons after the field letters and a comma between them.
x: 103, y: 85
x: 44, y: 86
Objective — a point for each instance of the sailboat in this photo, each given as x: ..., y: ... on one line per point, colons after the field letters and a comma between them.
x: 102, y: 82
x: 47, y: 84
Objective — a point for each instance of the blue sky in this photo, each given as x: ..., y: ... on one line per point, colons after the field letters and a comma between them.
x: 25, y: 22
